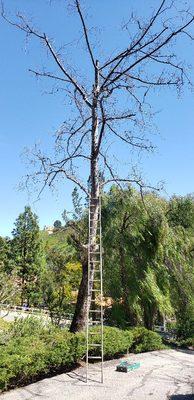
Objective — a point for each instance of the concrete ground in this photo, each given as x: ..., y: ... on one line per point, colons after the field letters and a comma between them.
x: 166, y: 374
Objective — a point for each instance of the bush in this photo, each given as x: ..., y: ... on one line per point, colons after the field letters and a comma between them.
x: 116, y: 341
x: 145, y: 340
x: 185, y: 328
x: 31, y: 350
x: 4, y: 325
x: 21, y: 359
x: 186, y: 343
x: 171, y: 326
x: 23, y: 327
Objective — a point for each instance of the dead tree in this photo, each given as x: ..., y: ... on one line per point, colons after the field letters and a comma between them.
x: 114, y: 107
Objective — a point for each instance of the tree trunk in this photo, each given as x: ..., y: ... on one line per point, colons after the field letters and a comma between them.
x: 79, y: 318
x: 84, y: 298
x: 149, y: 315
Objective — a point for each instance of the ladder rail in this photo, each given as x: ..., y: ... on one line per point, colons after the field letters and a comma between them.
x: 101, y: 287
x: 92, y: 261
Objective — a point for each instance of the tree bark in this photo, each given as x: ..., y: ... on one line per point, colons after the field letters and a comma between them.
x: 79, y: 318
x: 149, y: 315
x: 84, y: 296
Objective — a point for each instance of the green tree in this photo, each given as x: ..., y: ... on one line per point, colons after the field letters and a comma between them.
x: 139, y: 255
x: 181, y: 211
x: 8, y: 288
x: 28, y: 255
x: 57, y: 224
x: 60, y: 280
x: 6, y: 262
x: 149, y: 269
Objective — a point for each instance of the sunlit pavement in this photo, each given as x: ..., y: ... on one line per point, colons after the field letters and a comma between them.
x: 166, y: 374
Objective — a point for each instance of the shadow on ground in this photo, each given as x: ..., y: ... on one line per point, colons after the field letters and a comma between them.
x: 182, y: 397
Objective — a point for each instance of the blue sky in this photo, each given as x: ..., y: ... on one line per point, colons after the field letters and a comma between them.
x: 28, y: 115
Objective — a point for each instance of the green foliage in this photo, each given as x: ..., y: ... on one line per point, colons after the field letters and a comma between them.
x: 8, y: 288
x: 27, y: 255
x: 185, y: 323
x: 57, y: 224
x: 189, y: 342
x: 4, y: 325
x: 58, y: 281
x: 116, y: 315
x: 171, y: 326
x: 6, y: 262
x: 148, y: 258
x: 33, y: 349
x: 145, y: 340
x: 135, y: 240
x: 181, y: 211
x: 116, y: 341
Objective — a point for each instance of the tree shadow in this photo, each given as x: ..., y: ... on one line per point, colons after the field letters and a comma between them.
x: 182, y: 397
x: 186, y: 351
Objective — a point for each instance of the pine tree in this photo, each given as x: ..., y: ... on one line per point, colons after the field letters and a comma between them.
x: 27, y: 254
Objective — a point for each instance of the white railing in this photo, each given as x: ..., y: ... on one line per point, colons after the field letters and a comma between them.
x: 30, y: 310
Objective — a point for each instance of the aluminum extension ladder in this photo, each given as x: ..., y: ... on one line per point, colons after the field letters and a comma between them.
x: 95, y: 293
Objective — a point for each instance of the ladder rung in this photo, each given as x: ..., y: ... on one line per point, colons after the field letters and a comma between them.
x: 93, y: 198
x: 95, y: 344
x: 94, y: 280
x: 95, y: 262
x: 95, y: 357
x: 96, y: 322
x: 95, y: 311
x: 95, y: 271
x: 96, y: 290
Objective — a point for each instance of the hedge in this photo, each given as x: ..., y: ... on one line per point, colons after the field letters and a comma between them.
x: 145, y: 340
x: 186, y: 343
x: 30, y: 350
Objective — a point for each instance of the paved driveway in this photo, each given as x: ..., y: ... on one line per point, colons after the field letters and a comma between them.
x: 166, y: 374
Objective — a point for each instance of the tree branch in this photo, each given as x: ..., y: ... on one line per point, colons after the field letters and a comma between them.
x: 25, y: 27
x: 85, y: 32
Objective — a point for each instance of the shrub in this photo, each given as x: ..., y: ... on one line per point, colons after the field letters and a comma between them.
x: 28, y: 326
x: 145, y: 340
x: 60, y: 347
x: 185, y: 327
x: 33, y: 349
x: 21, y: 359
x: 116, y: 341
x: 187, y: 343
x: 171, y: 326
x: 4, y: 325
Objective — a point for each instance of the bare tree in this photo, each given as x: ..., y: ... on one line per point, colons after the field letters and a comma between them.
x: 113, y: 108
